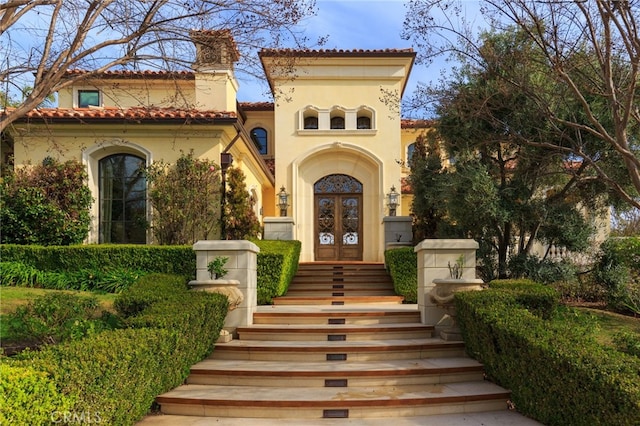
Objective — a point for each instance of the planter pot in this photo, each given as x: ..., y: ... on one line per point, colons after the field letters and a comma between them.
x: 442, y: 295
x: 228, y: 288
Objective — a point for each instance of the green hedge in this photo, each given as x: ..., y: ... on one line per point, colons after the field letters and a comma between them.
x: 558, y: 373
x: 178, y: 260
x: 402, y: 264
x: 115, y: 376
x: 542, y: 300
x: 57, y: 267
x: 277, y: 264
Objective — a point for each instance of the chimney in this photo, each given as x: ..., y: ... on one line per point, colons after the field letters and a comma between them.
x: 216, y: 85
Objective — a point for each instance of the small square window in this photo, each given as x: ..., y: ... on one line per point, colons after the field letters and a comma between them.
x: 311, y: 123
x: 87, y: 98
x: 337, y: 123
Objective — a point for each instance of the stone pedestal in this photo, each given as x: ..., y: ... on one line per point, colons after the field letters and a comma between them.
x: 240, y: 284
x: 434, y: 258
x: 278, y: 228
x: 398, y: 231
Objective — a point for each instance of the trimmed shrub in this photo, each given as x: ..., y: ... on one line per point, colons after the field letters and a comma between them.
x: 402, y: 264
x: 618, y: 270
x: 540, y: 299
x: 115, y: 376
x: 178, y: 260
x: 277, y: 264
x: 19, y: 386
x: 558, y: 373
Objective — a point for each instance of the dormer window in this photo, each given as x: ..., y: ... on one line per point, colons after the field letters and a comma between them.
x: 311, y: 123
x: 88, y: 98
x: 364, y: 123
x: 337, y: 122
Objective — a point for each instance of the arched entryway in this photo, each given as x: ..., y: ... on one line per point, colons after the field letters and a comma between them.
x: 338, y: 218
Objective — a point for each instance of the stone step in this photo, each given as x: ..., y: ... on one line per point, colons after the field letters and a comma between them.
x: 345, y: 292
x: 316, y: 351
x: 301, y: 316
x: 341, y: 286
x: 336, y: 300
x: 336, y: 332
x: 486, y: 418
x: 310, y: 276
x: 333, y: 402
x: 344, y: 374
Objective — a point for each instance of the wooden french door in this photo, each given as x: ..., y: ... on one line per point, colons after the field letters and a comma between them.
x: 338, y: 218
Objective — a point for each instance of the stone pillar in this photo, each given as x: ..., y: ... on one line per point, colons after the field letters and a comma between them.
x: 434, y: 257
x: 242, y: 267
x: 398, y: 231
x: 278, y: 228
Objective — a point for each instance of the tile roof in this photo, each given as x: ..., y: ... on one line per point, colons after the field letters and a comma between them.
x: 337, y: 52
x: 164, y: 75
x: 407, y: 123
x: 127, y: 114
x: 257, y: 106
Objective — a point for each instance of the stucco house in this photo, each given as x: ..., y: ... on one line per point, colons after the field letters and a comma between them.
x: 333, y: 140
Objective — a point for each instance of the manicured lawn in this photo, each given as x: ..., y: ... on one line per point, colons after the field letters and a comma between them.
x: 12, y: 297
x: 611, y: 323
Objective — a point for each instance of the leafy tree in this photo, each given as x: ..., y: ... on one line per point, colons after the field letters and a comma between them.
x: 500, y: 191
x: 46, y: 204
x: 426, y: 180
x: 585, y: 97
x: 240, y: 220
x: 42, y: 40
x: 186, y: 200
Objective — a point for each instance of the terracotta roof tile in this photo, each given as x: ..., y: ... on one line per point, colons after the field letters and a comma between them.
x: 416, y: 124
x: 164, y: 75
x: 257, y: 106
x: 137, y: 113
x: 337, y: 52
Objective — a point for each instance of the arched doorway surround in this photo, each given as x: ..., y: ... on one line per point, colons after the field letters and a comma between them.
x: 92, y: 158
x: 338, y: 159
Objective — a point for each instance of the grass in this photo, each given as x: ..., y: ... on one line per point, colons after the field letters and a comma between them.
x: 610, y: 323
x: 12, y: 297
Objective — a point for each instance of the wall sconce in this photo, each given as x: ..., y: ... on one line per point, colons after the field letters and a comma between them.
x: 392, y: 201
x: 283, y: 201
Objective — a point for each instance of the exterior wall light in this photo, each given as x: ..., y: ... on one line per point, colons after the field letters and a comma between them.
x: 283, y: 201
x: 392, y: 201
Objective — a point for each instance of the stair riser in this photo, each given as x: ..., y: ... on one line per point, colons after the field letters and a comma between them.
x: 319, y: 382
x: 331, y: 278
x: 350, y: 320
x: 318, y: 412
x: 338, y: 293
x: 257, y: 355
x: 335, y: 300
x: 350, y: 337
x: 339, y: 287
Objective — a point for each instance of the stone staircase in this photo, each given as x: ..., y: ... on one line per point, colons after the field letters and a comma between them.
x: 341, y: 346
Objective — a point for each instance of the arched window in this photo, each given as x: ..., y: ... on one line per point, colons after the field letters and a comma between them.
x: 337, y: 122
x: 259, y: 136
x: 123, y: 199
x: 410, y: 149
x: 364, y: 122
x: 311, y: 122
